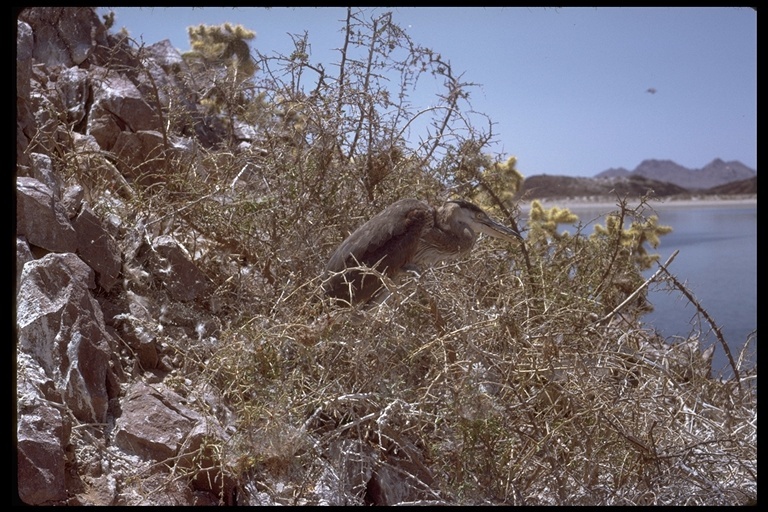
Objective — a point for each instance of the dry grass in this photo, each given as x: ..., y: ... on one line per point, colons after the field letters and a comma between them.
x: 518, y: 376
x: 503, y: 398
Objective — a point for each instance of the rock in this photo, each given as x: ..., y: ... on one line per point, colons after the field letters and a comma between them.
x: 41, y: 463
x: 76, y: 112
x: 72, y: 200
x: 166, y: 56
x: 157, y: 425
x: 64, y: 36
x: 118, y: 105
x: 356, y: 469
x: 24, y: 49
x: 73, y: 89
x: 25, y: 120
x: 23, y: 255
x: 181, y: 277
x: 164, y: 63
x: 96, y: 171
x: 96, y: 247
x: 154, y: 422
x: 42, y: 434
x: 40, y: 219
x: 43, y: 171
x: 60, y: 325
x: 140, y: 156
x: 45, y: 222
x: 43, y: 127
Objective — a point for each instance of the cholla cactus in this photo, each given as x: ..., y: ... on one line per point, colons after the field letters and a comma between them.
x: 633, y: 239
x: 224, y: 44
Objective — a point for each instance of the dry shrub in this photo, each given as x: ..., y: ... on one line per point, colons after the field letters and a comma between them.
x: 503, y: 394
x: 516, y: 376
x: 510, y: 377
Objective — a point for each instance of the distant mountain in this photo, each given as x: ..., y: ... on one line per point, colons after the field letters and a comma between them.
x: 663, y: 177
x: 614, y: 172
x: 715, y: 173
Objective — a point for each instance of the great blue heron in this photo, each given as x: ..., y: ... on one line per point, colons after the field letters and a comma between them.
x: 407, y: 235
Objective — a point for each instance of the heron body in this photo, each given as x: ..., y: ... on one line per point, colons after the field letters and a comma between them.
x: 407, y: 235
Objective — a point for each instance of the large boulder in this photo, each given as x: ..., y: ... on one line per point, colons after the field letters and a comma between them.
x: 118, y: 105
x: 64, y: 36
x: 42, y: 434
x: 157, y: 424
x: 97, y: 248
x: 60, y: 326
x: 41, y: 219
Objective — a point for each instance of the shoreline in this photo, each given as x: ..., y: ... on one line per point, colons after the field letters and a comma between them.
x: 592, y: 203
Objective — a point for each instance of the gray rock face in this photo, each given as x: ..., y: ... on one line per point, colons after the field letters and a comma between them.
x: 118, y: 106
x: 67, y: 353
x: 65, y: 36
x: 42, y: 436
x: 154, y: 422
x: 97, y: 249
x: 42, y: 220
x: 82, y: 336
x: 184, y: 280
x: 60, y: 325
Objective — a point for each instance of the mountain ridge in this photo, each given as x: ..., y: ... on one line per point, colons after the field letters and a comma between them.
x: 664, y: 178
x: 715, y: 173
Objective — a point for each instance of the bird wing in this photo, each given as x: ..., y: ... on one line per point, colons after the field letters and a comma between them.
x: 390, y: 239
x: 390, y: 236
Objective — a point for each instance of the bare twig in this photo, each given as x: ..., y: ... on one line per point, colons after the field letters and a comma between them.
x: 718, y: 333
x: 637, y: 291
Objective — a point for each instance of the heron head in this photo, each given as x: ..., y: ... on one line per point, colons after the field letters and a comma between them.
x: 464, y: 212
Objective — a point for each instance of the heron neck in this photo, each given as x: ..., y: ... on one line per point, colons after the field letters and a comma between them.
x: 442, y: 244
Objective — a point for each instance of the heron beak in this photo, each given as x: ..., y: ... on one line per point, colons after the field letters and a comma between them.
x: 492, y: 228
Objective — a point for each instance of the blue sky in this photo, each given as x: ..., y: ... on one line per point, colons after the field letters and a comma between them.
x: 567, y: 87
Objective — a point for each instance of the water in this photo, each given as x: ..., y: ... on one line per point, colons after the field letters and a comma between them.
x: 717, y: 263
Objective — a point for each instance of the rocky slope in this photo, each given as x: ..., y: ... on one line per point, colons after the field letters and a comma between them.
x: 93, y: 402
x: 108, y: 308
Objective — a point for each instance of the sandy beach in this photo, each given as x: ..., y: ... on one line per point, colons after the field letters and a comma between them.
x: 592, y: 203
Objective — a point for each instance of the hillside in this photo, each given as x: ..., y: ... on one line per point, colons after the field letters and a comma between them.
x: 175, y: 346
x: 637, y: 184
x: 747, y: 186
x: 547, y: 187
